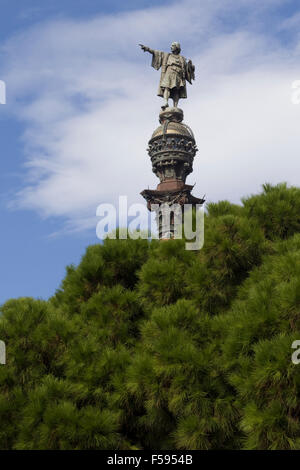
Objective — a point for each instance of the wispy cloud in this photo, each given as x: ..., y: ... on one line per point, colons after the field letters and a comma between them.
x: 86, y: 95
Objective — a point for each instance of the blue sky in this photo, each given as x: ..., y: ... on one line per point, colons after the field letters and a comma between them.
x: 81, y: 106
x: 32, y: 263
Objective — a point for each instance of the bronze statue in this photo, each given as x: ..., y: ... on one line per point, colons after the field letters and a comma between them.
x: 175, y: 70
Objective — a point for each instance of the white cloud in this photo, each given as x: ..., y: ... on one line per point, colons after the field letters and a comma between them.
x: 86, y: 95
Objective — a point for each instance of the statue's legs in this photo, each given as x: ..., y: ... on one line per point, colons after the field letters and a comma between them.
x: 175, y: 96
x: 166, y: 97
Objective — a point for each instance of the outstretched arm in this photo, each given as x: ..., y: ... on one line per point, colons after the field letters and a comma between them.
x: 157, y: 56
x: 146, y: 49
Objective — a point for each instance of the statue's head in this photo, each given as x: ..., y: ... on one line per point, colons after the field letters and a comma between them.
x: 175, y: 47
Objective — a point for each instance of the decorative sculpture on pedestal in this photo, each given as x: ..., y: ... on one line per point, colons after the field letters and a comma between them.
x: 172, y: 147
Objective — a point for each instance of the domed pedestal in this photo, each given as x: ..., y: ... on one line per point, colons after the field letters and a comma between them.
x: 172, y: 149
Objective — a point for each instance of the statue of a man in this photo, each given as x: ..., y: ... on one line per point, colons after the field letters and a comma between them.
x: 175, y: 70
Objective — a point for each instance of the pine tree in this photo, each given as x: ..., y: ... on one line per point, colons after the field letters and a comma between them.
x: 147, y: 345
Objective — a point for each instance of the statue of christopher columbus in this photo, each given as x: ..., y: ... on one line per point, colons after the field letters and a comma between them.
x: 175, y: 70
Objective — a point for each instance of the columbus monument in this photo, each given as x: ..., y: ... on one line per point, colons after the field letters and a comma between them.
x: 172, y: 147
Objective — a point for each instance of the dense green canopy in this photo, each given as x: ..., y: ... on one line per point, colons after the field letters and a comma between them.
x: 149, y: 346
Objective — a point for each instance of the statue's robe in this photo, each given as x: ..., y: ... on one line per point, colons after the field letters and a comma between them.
x: 175, y: 70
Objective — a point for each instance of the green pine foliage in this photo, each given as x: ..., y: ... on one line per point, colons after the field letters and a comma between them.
x: 277, y: 210
x: 147, y: 345
x: 233, y: 246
